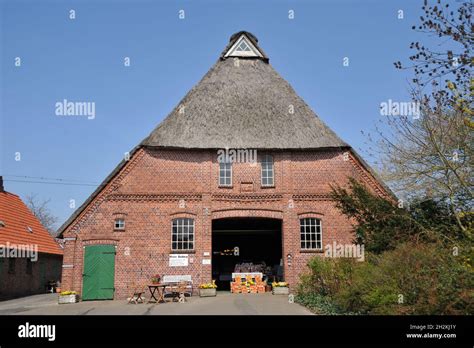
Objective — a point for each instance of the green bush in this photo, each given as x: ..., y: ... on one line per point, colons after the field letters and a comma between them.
x: 411, y: 279
x: 317, y: 303
x: 382, y: 225
x: 327, y: 276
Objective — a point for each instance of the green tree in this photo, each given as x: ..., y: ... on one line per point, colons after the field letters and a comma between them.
x: 381, y: 224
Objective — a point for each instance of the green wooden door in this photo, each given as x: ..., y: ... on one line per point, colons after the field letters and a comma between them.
x: 99, y: 270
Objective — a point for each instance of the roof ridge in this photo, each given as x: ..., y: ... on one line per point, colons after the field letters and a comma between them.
x: 10, y: 193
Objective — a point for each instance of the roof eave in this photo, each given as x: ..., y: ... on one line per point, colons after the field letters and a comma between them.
x: 99, y: 189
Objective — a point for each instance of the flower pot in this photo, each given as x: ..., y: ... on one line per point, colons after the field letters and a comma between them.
x: 156, y: 279
x: 281, y: 290
x: 68, y: 299
x: 207, y: 292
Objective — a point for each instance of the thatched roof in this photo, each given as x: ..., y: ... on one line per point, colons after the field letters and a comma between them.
x: 244, y: 104
x: 241, y: 107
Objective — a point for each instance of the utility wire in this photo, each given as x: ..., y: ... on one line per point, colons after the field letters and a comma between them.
x: 51, y: 183
x: 56, y: 179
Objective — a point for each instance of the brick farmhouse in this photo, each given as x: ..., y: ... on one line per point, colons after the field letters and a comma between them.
x: 175, y: 207
x: 30, y: 258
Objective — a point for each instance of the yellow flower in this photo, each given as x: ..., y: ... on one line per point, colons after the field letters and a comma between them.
x: 65, y: 293
x: 208, y: 285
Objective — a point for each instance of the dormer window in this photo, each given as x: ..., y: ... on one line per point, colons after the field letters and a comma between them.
x: 243, y: 47
x: 119, y: 224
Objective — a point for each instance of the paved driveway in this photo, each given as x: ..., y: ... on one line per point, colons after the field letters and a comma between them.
x: 224, y: 303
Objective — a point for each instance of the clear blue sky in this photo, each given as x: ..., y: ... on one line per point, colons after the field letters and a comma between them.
x: 82, y: 60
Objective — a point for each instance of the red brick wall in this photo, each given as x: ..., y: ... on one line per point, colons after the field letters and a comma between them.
x: 148, y: 190
x: 19, y: 283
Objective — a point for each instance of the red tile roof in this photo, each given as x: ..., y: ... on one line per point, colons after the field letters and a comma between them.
x: 16, y: 218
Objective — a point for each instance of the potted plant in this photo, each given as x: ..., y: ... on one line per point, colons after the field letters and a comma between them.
x: 68, y: 297
x: 280, y: 288
x: 156, y: 279
x: 208, y: 289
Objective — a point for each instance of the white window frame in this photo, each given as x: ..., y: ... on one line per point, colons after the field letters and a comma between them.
x: 119, y: 224
x: 185, y: 228
x: 226, y: 171
x: 305, y: 229
x: 233, y: 52
x: 265, y: 170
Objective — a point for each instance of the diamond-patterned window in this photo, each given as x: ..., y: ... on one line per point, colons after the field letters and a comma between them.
x: 243, y: 47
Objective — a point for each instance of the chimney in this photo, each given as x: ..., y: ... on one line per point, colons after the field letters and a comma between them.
x: 1, y: 184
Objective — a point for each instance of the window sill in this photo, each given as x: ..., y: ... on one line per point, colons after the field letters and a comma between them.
x: 226, y: 186
x: 311, y: 251
x: 267, y: 186
x: 183, y: 252
x: 119, y: 229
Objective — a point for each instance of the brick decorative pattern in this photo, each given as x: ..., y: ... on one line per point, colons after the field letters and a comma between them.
x: 158, y: 185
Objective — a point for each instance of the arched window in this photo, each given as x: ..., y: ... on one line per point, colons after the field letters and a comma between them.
x: 311, y: 234
x: 182, y: 235
x: 267, y: 171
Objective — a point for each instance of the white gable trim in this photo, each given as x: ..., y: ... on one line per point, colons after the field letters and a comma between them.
x: 235, y: 52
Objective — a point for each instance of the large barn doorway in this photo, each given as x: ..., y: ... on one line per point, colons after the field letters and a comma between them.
x: 246, y: 245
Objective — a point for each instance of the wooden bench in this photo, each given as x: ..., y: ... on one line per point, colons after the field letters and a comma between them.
x: 176, y: 279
